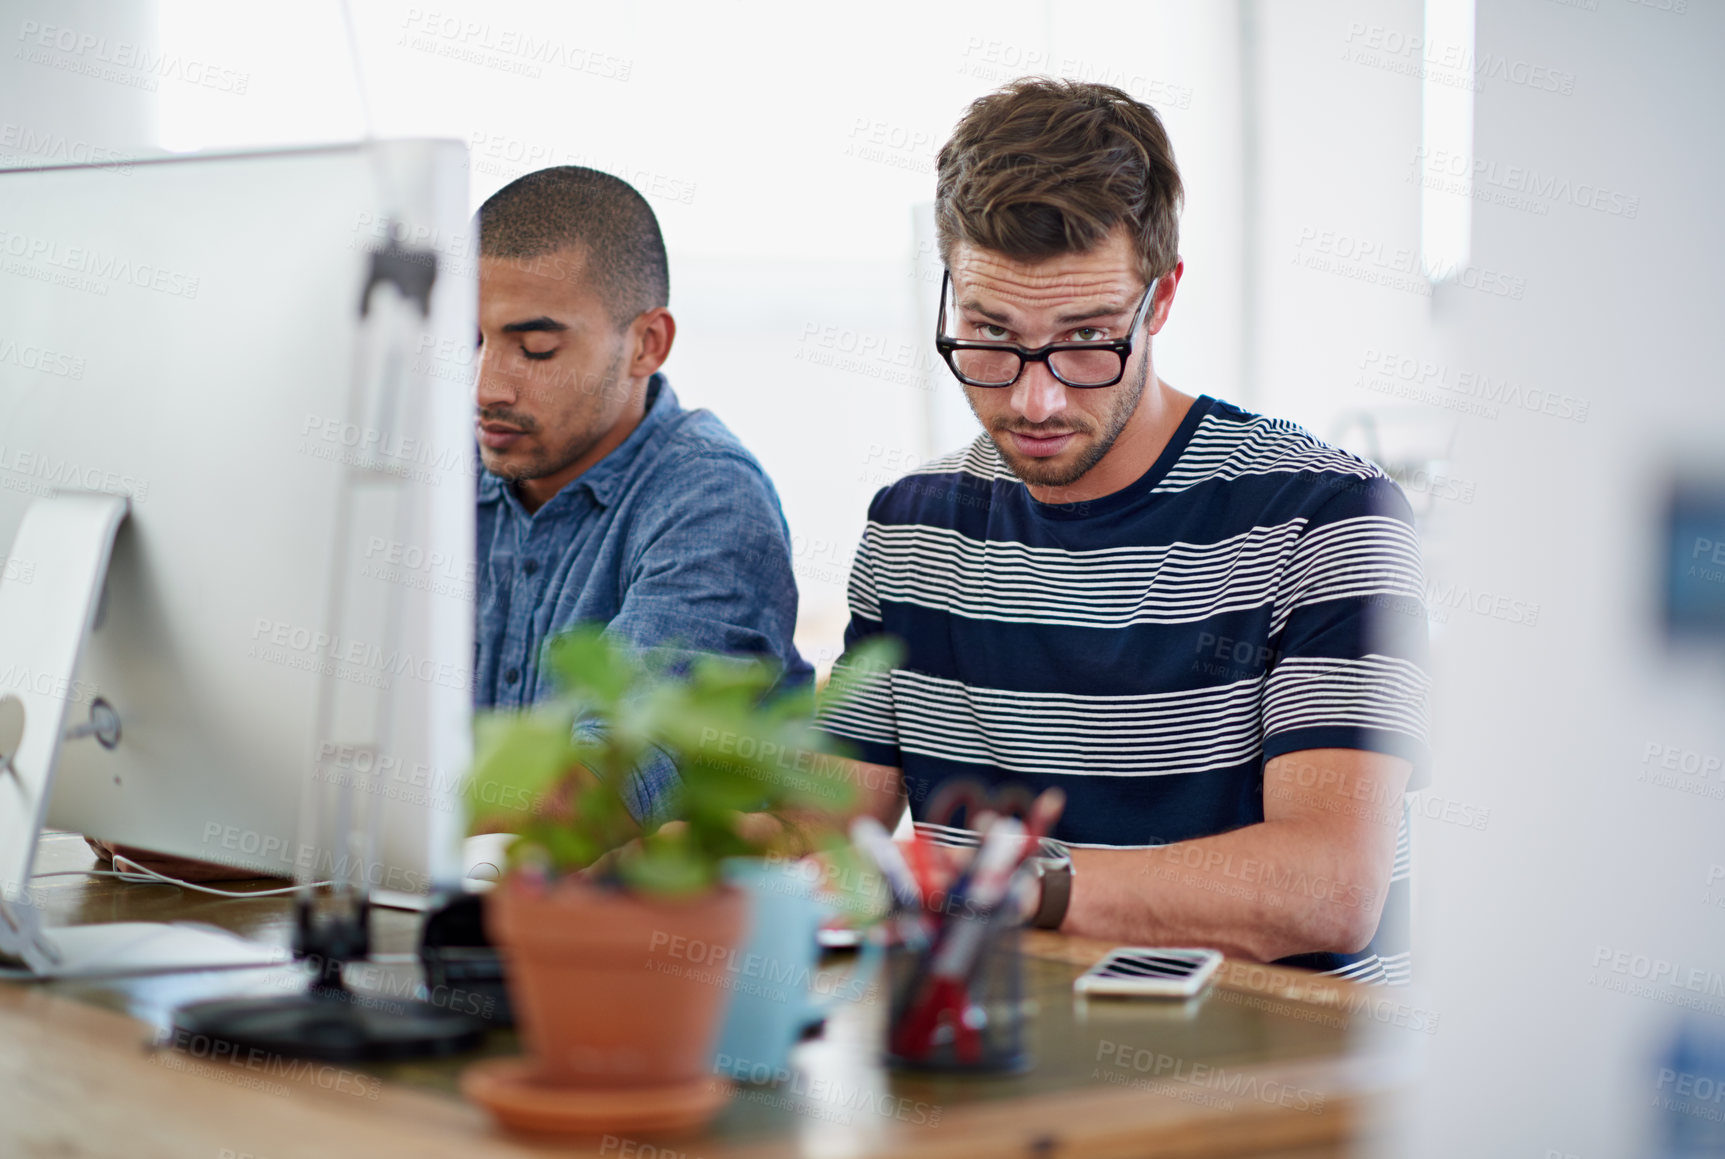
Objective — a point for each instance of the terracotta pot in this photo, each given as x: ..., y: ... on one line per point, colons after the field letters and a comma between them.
x: 615, y: 990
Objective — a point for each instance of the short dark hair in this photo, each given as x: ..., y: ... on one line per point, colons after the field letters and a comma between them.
x: 1044, y: 167
x: 569, y: 205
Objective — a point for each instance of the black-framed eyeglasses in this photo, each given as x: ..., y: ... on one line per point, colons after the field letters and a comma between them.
x: 1084, y: 365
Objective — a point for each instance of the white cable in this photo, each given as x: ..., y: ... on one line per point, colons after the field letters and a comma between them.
x: 358, y: 71
x: 380, y: 171
x: 86, y: 873
x: 140, y: 875
x: 150, y: 873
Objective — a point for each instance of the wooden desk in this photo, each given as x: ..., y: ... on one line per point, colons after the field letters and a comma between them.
x: 1271, y: 1061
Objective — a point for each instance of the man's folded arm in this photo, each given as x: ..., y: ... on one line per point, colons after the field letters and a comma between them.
x: 1310, y: 878
x: 1344, y: 712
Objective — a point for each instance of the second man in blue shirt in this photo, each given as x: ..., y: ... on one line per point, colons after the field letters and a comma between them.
x: 601, y: 498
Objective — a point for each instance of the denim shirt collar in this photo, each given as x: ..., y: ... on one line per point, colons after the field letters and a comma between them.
x: 603, y: 478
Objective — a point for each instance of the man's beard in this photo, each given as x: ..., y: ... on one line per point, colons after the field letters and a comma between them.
x: 546, y: 462
x: 1044, y: 473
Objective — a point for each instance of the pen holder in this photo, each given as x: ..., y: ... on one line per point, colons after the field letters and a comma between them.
x: 971, y: 1023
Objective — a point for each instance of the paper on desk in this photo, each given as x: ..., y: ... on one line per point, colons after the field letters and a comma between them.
x: 117, y: 949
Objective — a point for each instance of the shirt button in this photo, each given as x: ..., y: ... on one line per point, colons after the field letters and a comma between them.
x: 511, y: 676
x: 530, y: 566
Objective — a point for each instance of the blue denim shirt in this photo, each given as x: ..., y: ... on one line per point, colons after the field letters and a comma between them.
x: 674, y: 538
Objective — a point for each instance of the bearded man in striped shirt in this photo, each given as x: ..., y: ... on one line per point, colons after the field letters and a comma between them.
x: 1204, y: 625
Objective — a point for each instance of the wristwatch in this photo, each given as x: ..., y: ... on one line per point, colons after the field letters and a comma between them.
x: 1054, y: 871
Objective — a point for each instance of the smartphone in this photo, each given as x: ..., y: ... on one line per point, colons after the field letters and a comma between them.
x: 1150, y: 972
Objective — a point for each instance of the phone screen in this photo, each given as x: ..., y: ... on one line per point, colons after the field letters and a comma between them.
x: 1160, y: 964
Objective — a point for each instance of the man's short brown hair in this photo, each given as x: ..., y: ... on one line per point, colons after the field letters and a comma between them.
x: 1045, y: 167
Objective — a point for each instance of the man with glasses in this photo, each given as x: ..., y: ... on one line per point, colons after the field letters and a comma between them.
x: 1204, y: 625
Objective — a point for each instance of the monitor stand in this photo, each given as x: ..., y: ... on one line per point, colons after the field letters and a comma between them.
x: 329, y: 1021
x: 69, y: 536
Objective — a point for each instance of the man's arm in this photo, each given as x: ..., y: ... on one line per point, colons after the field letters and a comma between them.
x: 794, y: 832
x: 1311, y: 877
x: 709, y: 563
x: 709, y: 571
x: 878, y: 793
x: 1343, y: 710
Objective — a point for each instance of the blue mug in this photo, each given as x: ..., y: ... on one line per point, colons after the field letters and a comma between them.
x: 777, y: 986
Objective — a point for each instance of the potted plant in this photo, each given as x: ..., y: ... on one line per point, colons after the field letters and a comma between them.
x: 616, y: 932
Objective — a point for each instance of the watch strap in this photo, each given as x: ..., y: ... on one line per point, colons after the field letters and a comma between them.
x: 1056, y: 877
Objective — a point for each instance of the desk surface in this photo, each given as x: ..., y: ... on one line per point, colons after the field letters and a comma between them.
x: 1270, y: 1061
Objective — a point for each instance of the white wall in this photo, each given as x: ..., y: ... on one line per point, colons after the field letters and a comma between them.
x: 69, y: 94
x: 1548, y: 725
x: 784, y: 147
x: 1538, y: 848
x: 1337, y: 139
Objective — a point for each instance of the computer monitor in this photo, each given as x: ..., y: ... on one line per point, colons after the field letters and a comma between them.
x: 289, y: 594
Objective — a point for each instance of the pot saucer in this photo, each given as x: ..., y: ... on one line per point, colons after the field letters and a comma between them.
x: 510, y: 1089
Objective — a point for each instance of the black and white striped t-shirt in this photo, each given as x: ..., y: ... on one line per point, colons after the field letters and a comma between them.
x: 1256, y: 592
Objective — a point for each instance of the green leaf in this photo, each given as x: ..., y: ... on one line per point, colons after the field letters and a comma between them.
x: 739, y: 743
x: 518, y: 757
x: 740, y: 680
x: 567, y: 847
x: 668, y: 868
x: 591, y: 665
